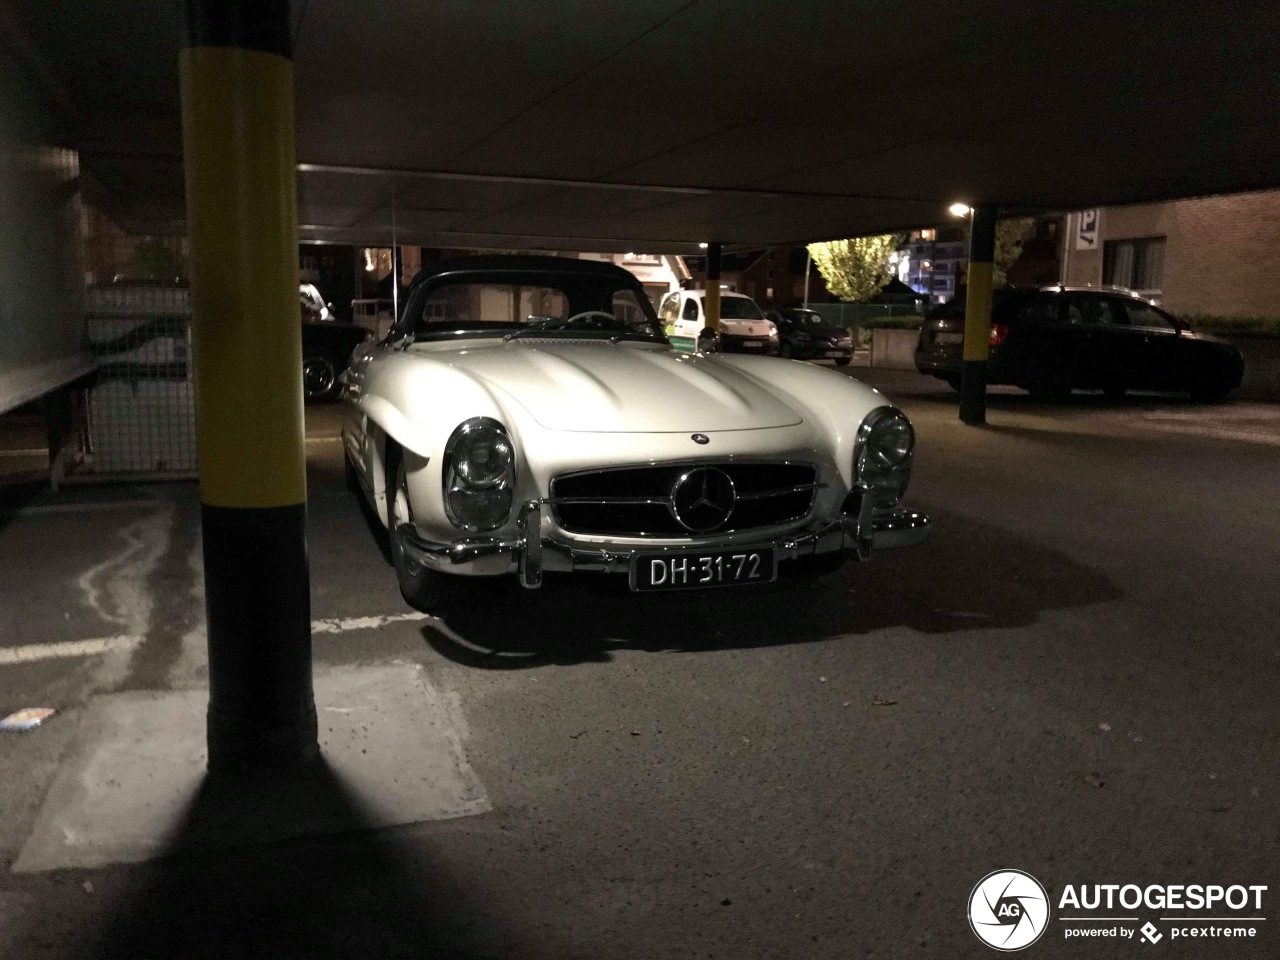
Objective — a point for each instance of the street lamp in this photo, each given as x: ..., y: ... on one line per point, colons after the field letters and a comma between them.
x: 959, y: 209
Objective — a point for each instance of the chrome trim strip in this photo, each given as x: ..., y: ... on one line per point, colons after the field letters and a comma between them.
x: 607, y: 501
x: 781, y: 491
x: 706, y: 461
x: 664, y: 501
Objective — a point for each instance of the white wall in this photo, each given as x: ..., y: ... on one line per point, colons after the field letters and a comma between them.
x: 41, y: 274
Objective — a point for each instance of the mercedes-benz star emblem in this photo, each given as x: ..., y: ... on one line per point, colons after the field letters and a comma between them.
x: 700, y: 438
x: 702, y: 499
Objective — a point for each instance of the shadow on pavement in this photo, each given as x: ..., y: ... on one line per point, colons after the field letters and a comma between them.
x: 354, y: 892
x: 969, y: 576
x: 17, y: 493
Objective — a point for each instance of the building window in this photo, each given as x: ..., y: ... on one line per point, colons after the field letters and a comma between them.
x: 1136, y: 264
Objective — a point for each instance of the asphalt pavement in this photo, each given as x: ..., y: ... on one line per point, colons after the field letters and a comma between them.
x: 1075, y: 677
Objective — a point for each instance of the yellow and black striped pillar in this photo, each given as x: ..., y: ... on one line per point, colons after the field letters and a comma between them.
x: 977, y: 315
x: 240, y: 160
x: 711, y: 300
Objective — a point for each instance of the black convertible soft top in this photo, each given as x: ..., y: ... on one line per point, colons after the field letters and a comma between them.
x: 508, y: 268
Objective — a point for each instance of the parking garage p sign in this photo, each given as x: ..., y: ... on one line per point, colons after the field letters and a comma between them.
x: 1087, y: 229
x: 1010, y: 910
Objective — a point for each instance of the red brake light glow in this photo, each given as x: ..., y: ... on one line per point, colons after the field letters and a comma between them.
x: 998, y: 332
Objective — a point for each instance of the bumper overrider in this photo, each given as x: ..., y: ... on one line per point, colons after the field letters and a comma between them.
x: 867, y: 531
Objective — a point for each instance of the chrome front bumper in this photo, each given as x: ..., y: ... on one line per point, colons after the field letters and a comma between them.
x: 860, y: 534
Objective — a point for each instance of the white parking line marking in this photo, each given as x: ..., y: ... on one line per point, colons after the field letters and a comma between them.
x: 99, y: 645
x: 70, y: 648
x: 343, y: 625
x: 86, y: 507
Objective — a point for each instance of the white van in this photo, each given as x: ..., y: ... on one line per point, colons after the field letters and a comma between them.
x: 742, y: 326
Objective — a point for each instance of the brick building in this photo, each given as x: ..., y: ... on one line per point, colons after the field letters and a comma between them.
x: 774, y: 278
x: 1214, y: 255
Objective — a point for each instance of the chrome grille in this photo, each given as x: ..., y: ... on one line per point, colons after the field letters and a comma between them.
x: 636, y: 501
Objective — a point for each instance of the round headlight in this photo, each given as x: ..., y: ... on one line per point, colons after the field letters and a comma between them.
x: 482, y: 458
x: 888, y: 441
x: 479, y: 475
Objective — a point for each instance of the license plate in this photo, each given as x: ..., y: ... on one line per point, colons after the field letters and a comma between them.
x: 692, y: 571
x: 752, y: 344
x: 836, y: 353
x: 948, y: 338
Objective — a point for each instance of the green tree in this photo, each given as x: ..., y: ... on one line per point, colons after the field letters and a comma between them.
x: 855, y: 269
x: 1009, y: 236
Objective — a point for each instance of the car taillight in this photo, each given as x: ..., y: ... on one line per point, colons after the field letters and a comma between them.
x: 998, y: 332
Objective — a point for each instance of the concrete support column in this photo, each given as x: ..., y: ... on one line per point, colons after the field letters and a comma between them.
x: 239, y: 156
x: 711, y: 304
x: 977, y: 315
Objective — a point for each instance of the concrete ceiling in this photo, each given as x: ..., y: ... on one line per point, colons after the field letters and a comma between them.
x: 656, y: 124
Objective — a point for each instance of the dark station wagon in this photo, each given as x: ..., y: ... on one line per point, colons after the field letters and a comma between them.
x: 1053, y: 340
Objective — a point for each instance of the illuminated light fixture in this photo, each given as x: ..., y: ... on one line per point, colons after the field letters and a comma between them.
x: 702, y: 246
x: 959, y: 209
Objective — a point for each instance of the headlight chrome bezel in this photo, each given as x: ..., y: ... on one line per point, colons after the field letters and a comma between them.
x: 884, y: 473
x: 477, y: 506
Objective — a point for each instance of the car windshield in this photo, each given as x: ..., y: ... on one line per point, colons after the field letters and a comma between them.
x: 737, y: 308
x: 807, y: 318
x: 555, y: 306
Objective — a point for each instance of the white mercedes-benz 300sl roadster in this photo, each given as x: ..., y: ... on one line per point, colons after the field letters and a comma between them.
x: 527, y: 414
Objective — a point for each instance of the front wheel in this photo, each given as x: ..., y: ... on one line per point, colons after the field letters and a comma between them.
x: 785, y: 351
x: 842, y: 361
x: 319, y: 378
x: 422, y: 588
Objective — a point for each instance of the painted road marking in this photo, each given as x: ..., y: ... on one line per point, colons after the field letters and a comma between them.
x: 343, y: 625
x: 99, y: 645
x: 70, y: 648
x: 54, y: 508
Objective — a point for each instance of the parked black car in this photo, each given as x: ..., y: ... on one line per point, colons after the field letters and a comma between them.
x: 1053, y: 340
x: 326, y: 346
x: 805, y: 335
